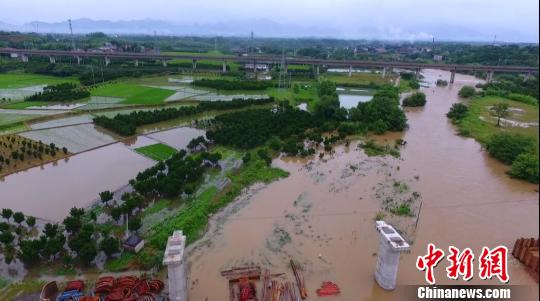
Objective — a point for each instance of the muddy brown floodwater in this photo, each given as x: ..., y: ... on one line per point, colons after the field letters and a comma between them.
x: 323, y: 214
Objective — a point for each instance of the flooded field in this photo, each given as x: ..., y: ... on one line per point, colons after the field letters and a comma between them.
x: 50, y: 191
x: 178, y: 137
x: 323, y: 214
x: 350, y: 97
x: 76, y: 138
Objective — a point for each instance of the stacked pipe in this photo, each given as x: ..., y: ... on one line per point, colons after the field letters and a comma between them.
x: 73, y: 291
x: 128, y: 288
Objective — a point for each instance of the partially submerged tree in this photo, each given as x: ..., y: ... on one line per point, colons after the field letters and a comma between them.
x: 500, y: 110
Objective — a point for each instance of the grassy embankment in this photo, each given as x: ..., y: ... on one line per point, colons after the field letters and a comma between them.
x: 192, y: 215
x: 481, y: 124
x: 158, y: 152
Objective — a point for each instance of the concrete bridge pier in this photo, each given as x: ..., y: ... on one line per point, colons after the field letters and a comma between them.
x: 527, y: 76
x: 176, y: 268
x: 317, y: 72
x: 24, y: 58
x: 350, y: 71
x: 136, y: 63
x: 52, y: 59
x: 224, y: 67
x: 107, y: 61
x: 452, y: 76
x: 79, y: 59
x: 194, y: 64
x: 164, y: 63
x: 390, y: 245
x: 384, y: 72
x: 489, y: 77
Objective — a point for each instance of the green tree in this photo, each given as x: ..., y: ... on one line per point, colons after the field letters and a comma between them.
x: 525, y: 167
x: 500, y: 110
x: 116, y: 212
x: 457, y: 112
x: 88, y: 252
x: 466, y: 92
x: 72, y: 224
x: 29, y: 251
x: 417, y: 99
x: 6, y: 237
x: 109, y: 245
x: 134, y: 224
x: 50, y: 230
x: 7, y: 213
x: 106, y: 196
x: 18, y: 217
x: 30, y: 221
x: 506, y: 147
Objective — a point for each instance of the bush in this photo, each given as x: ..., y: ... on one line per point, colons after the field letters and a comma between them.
x: 507, y: 147
x: 522, y: 98
x: 467, y: 92
x: 525, y: 167
x: 458, y: 111
x: 441, y: 83
x: 417, y: 99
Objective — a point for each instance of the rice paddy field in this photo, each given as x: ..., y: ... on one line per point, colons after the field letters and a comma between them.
x: 21, y: 80
x: 76, y: 138
x: 158, y: 152
x: 132, y: 93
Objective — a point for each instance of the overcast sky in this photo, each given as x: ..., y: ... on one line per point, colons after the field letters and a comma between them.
x: 510, y: 20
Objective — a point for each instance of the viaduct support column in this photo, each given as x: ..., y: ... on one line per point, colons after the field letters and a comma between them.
x: 489, y: 76
x: 164, y: 63
x: 24, y: 58
x: 527, y: 76
x: 317, y: 72
x: 194, y: 64
x: 390, y: 245
x: 384, y: 72
x: 136, y: 63
x: 107, y: 61
x: 452, y: 76
x: 350, y: 71
x: 224, y: 67
x: 52, y: 59
x: 79, y: 59
x: 176, y: 268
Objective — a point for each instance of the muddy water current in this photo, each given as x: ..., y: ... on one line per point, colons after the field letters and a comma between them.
x: 323, y: 214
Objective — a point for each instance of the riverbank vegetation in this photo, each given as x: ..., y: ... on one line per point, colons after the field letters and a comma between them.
x: 512, y: 138
x: 417, y: 99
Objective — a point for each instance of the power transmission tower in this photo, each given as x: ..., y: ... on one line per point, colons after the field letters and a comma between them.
x: 71, y: 34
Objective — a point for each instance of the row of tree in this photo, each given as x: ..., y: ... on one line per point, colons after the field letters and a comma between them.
x: 60, y: 92
x: 126, y: 124
x: 223, y: 84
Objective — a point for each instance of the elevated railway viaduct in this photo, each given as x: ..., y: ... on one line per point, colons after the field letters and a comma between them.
x: 24, y: 54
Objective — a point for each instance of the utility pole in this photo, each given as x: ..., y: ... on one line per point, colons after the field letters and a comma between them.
x: 156, y: 48
x: 71, y: 33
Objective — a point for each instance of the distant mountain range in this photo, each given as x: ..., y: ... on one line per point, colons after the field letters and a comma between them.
x: 262, y: 27
x: 269, y: 28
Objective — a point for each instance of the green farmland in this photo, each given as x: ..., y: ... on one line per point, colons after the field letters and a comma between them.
x: 133, y: 94
x: 158, y: 152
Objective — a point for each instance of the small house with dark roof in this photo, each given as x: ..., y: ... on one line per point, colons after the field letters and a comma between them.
x: 133, y: 243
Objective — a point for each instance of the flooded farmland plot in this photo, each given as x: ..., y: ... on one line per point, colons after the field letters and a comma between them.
x: 323, y: 214
x: 177, y: 137
x: 86, y: 175
x: 20, y: 93
x: 62, y: 122
x: 76, y: 138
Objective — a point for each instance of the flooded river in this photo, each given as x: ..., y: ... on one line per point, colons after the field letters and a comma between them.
x: 323, y: 214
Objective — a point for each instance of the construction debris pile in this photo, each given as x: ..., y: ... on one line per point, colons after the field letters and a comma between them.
x: 274, y: 287
x: 526, y: 251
